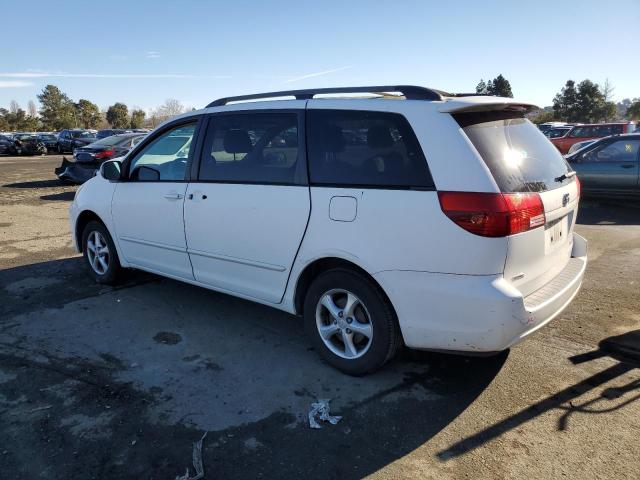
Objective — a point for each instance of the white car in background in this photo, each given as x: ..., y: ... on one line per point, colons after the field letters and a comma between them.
x: 439, y: 221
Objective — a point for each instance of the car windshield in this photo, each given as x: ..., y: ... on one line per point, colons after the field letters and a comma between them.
x: 519, y: 156
x: 83, y: 135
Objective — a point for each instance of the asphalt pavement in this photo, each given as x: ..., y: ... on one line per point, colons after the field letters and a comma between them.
x: 103, y: 382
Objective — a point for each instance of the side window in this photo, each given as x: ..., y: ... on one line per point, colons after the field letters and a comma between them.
x: 252, y: 147
x: 619, y: 151
x: 362, y: 148
x: 166, y: 157
x: 582, y: 132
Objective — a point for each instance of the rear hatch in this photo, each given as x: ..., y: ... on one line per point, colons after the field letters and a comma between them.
x: 523, y: 161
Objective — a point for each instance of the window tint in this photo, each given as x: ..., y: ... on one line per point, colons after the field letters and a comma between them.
x: 619, y: 151
x: 557, y: 132
x: 252, y: 148
x: 519, y: 157
x: 362, y: 148
x: 167, y: 154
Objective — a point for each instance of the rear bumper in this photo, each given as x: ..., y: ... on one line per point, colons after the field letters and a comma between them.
x: 482, y: 313
x: 75, y: 172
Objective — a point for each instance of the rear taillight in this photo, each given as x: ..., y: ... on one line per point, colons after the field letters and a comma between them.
x: 578, y: 186
x: 105, y: 154
x: 493, y: 214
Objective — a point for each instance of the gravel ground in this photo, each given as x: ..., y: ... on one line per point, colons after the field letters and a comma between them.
x: 101, y: 382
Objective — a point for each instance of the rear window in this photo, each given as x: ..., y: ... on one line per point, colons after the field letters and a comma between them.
x: 519, y: 156
x: 108, y: 141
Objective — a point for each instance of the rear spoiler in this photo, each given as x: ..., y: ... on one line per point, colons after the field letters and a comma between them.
x: 485, y: 104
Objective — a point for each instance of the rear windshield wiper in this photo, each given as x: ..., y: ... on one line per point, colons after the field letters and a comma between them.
x: 564, y: 176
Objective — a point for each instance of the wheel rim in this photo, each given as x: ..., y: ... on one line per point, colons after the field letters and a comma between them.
x: 98, y: 252
x: 344, y: 324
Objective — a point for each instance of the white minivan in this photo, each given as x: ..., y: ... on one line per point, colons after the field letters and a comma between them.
x: 444, y: 222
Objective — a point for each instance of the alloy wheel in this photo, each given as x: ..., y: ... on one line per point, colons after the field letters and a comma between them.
x: 98, y: 252
x: 344, y: 324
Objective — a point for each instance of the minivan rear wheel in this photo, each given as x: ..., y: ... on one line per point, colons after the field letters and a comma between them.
x: 350, y: 321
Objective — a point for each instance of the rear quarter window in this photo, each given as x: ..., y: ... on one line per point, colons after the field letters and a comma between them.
x: 519, y: 156
x: 364, y: 149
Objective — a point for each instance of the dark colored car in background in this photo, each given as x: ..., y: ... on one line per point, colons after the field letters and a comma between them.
x: 609, y: 166
x: 28, y: 144
x: 6, y: 145
x: 111, y: 131
x: 587, y: 132
x: 557, y: 132
x: 88, y: 159
x: 69, y: 140
x: 49, y: 140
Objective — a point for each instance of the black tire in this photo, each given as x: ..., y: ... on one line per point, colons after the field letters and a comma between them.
x: 386, y: 337
x: 111, y: 274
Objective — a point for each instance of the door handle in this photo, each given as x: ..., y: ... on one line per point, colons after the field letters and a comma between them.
x: 173, y: 196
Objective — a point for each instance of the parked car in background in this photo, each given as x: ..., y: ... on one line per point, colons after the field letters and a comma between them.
x: 68, y: 140
x: 557, y: 132
x: 28, y: 144
x: 49, y: 140
x: 6, y: 145
x: 111, y: 131
x: 589, y: 131
x: 222, y: 198
x: 545, y: 127
x: 88, y: 159
x: 609, y: 166
x: 577, y: 146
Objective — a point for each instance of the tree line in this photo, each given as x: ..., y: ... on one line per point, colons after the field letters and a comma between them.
x: 585, y: 102
x: 58, y: 112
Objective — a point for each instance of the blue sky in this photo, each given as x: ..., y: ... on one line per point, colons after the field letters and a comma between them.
x: 143, y: 52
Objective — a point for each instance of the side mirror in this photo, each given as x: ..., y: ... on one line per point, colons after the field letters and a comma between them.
x: 146, y: 174
x: 111, y: 170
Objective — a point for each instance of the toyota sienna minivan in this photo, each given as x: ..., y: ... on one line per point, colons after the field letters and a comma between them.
x: 408, y: 216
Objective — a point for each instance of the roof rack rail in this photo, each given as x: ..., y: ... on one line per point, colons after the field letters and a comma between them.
x: 410, y: 92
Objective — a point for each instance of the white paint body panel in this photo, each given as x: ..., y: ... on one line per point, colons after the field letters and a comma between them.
x: 244, y: 238
x: 450, y: 289
x: 150, y: 228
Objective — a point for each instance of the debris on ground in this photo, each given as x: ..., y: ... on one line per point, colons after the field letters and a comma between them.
x: 197, y: 462
x: 321, y: 410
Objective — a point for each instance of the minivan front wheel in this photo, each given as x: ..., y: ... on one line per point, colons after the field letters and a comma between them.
x: 100, y: 253
x: 350, y: 322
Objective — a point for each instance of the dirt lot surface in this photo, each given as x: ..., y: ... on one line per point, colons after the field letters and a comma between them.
x: 100, y: 382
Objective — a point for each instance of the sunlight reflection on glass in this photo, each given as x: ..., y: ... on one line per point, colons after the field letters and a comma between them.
x: 513, y: 158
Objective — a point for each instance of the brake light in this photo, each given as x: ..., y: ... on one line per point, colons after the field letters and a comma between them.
x: 493, y: 214
x: 105, y: 154
x: 578, y: 186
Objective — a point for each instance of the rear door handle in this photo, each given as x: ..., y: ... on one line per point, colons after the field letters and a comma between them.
x: 173, y: 196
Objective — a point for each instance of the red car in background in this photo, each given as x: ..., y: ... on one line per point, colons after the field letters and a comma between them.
x: 589, y: 131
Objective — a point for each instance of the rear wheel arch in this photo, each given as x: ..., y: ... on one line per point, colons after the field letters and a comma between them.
x: 321, y: 265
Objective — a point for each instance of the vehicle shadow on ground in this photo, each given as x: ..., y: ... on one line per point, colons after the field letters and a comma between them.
x: 201, y: 358
x: 63, y: 196
x: 53, y: 284
x: 36, y: 184
x: 623, y: 348
x: 608, y: 212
